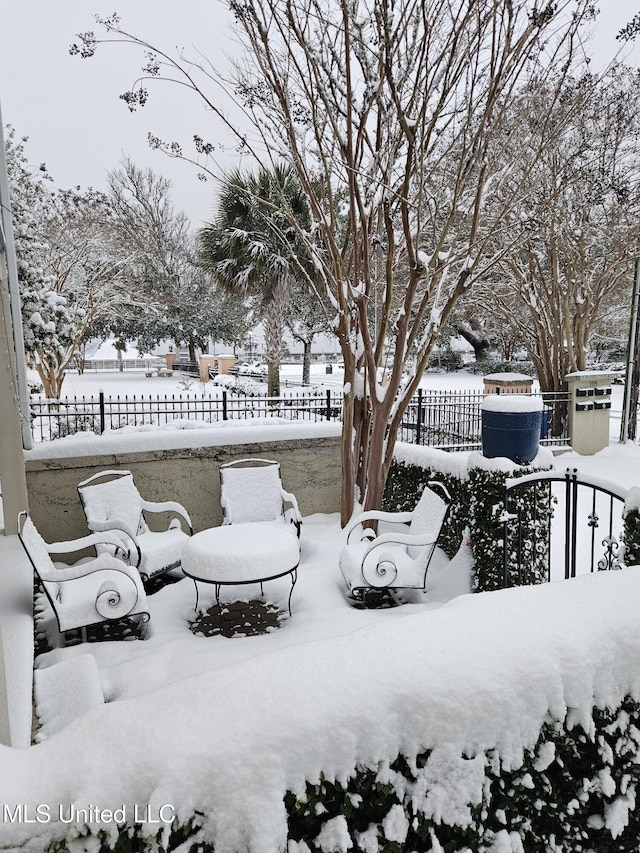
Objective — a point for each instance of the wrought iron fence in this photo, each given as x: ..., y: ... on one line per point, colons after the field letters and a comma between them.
x: 450, y: 420
x: 58, y: 418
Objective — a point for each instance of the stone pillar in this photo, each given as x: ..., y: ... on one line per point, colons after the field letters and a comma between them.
x: 170, y: 357
x: 206, y: 361
x: 507, y: 383
x: 225, y: 362
x: 589, y: 411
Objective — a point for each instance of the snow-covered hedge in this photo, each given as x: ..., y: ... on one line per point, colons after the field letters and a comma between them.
x: 476, y: 486
x: 574, y: 791
x: 413, y: 467
x: 631, y: 535
x: 485, y: 485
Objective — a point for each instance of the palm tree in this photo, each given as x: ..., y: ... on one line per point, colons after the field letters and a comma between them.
x: 249, y: 248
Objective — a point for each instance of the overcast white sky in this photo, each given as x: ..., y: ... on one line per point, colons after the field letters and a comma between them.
x: 69, y: 108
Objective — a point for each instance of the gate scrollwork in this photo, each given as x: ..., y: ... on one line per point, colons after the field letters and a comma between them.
x: 611, y: 559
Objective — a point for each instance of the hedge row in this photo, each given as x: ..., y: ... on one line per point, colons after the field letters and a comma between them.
x: 574, y: 792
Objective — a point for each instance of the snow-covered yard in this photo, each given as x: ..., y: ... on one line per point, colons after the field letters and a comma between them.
x: 223, y: 727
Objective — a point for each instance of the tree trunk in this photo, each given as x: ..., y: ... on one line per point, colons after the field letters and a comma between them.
x: 51, y: 380
x: 476, y: 337
x: 274, y: 336
x: 306, y: 363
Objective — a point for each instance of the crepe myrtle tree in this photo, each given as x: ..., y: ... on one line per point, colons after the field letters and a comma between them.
x: 391, y: 114
x: 580, y: 230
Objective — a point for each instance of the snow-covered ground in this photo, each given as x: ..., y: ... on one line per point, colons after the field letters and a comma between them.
x: 113, y: 382
x: 225, y: 726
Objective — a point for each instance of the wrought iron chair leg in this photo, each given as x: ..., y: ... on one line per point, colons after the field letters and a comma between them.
x: 217, y: 588
x: 294, y: 578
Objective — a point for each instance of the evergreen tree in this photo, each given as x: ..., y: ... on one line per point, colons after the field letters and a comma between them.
x: 250, y: 248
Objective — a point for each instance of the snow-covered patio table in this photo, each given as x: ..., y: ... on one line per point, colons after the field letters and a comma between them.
x: 253, y: 552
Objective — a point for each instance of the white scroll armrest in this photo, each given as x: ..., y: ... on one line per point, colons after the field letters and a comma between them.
x: 106, y: 537
x: 377, y: 515
x: 291, y: 498
x: 168, y: 506
x: 99, y: 564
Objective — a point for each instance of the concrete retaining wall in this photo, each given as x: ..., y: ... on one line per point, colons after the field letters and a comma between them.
x: 310, y: 469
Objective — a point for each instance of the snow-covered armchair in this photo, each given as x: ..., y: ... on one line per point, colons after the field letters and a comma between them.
x: 251, y: 490
x: 399, y: 554
x: 89, y: 592
x: 111, y: 501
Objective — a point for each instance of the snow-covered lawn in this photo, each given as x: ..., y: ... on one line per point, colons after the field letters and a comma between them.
x: 135, y: 382
x: 225, y: 726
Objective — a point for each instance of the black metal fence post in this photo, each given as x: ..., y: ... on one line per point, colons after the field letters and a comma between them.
x: 419, y: 416
x: 328, y: 406
x: 102, y: 414
x: 224, y: 405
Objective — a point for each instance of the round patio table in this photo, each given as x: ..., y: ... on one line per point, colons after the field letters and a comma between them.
x: 252, y: 552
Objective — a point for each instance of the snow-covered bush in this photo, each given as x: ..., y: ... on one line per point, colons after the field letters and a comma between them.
x: 72, y: 424
x: 528, y: 561
x: 493, y: 365
x: 574, y: 791
x: 407, y: 480
x: 476, y: 486
x: 243, y: 387
x: 631, y: 536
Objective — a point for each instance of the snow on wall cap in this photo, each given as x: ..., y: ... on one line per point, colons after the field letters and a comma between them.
x: 511, y: 403
x: 591, y: 374
x: 508, y: 377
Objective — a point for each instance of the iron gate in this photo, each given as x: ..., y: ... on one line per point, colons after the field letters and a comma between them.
x: 585, y: 514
